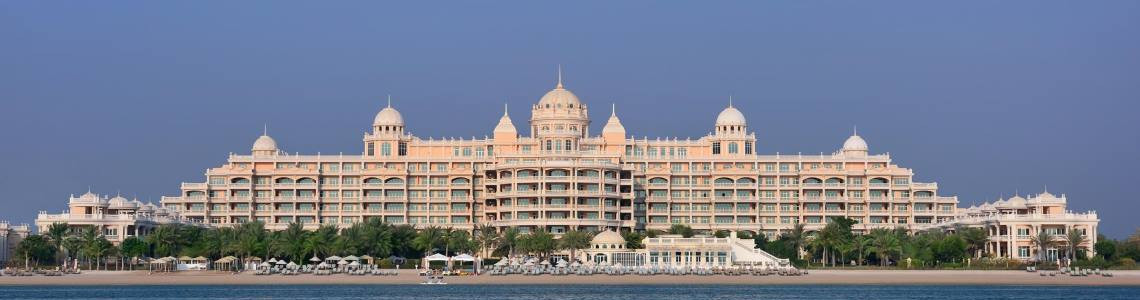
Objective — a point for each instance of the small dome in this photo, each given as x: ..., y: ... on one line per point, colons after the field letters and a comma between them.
x: 730, y: 116
x: 89, y: 196
x: 855, y: 143
x: 388, y: 117
x: 147, y: 207
x: 121, y: 203
x: 1015, y: 202
x: 608, y: 237
x: 265, y: 143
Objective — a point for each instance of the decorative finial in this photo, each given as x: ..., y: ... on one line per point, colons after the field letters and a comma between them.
x: 613, y: 109
x: 505, y: 109
x: 264, y: 129
x: 389, y: 100
x: 559, y: 76
x: 855, y: 130
x: 730, y: 100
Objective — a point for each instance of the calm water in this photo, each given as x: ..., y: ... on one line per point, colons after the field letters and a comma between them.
x: 529, y: 292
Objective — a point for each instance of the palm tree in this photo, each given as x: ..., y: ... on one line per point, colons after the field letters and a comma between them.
x: 976, y: 239
x: 884, y: 243
x: 574, y: 240
x: 509, y: 241
x: 460, y: 241
x: 486, y: 237
x: 165, y: 240
x: 250, y: 239
x: 1074, y: 239
x: 56, y: 233
x: 428, y: 240
x: 633, y: 240
x: 291, y: 242
x: 320, y: 242
x: 539, y: 242
x: 798, y: 237
x: 681, y: 229
x: 1043, y: 240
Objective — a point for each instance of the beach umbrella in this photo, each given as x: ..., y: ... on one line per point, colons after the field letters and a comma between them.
x: 280, y: 262
x: 354, y: 264
x: 323, y: 265
x: 265, y: 264
x: 315, y: 259
x: 545, y: 263
x: 200, y: 258
x: 273, y: 260
x: 561, y: 263
x: 333, y: 258
x: 291, y: 265
x: 501, y: 262
x: 368, y: 258
x: 352, y: 258
x: 342, y: 262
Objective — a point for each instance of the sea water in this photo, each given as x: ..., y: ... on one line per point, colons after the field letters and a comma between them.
x: 533, y: 292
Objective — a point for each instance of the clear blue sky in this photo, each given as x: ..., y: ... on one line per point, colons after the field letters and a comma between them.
x: 984, y: 97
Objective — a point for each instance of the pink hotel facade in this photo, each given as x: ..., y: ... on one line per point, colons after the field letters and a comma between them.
x: 561, y: 177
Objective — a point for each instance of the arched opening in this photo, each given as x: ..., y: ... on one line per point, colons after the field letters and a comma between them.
x: 460, y: 180
x: 373, y: 180
x: 240, y: 180
x: 723, y: 180
x: 658, y: 180
x: 746, y: 180
x: 394, y: 181
x: 284, y: 180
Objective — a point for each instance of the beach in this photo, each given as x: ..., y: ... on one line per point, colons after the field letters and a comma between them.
x: 816, y: 277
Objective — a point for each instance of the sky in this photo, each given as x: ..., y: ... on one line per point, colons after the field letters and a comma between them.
x: 987, y: 98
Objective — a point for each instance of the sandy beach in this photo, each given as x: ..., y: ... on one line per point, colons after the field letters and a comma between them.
x: 885, y: 277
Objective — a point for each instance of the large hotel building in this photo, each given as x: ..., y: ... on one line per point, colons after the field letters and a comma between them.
x: 562, y: 176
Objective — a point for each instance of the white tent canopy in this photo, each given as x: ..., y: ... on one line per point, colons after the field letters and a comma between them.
x: 315, y: 259
x: 463, y: 257
x: 436, y: 257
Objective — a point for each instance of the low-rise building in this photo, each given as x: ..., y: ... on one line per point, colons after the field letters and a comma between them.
x: 1013, y: 223
x: 676, y: 251
x: 115, y: 218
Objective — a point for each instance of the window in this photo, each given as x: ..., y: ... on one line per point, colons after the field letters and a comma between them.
x: 549, y: 145
x: 371, y: 149
x: 716, y: 148
x: 732, y: 148
x: 386, y: 149
x: 402, y: 149
x: 747, y: 147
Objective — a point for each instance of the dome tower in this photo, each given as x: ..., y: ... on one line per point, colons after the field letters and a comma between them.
x: 559, y: 119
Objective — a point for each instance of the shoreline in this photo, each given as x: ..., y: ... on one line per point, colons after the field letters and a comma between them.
x: 816, y: 277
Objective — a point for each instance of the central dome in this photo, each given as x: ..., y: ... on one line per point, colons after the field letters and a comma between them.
x: 559, y: 98
x: 730, y: 116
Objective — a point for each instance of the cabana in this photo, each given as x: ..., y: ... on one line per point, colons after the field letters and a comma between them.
x: 434, y: 257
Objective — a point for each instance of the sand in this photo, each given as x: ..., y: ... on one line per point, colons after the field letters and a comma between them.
x: 940, y: 277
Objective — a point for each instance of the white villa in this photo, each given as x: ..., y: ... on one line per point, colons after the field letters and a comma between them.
x: 1011, y: 223
x: 116, y: 217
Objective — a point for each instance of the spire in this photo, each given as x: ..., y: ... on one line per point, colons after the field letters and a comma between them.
x: 730, y: 100
x: 613, y: 110
x: 505, y: 114
x: 855, y: 130
x: 264, y: 129
x: 559, y: 76
x: 389, y: 100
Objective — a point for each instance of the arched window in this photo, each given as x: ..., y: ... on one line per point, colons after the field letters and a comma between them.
x: 284, y: 180
x: 723, y: 180
x: 394, y: 181
x: 372, y: 180
x: 732, y: 148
